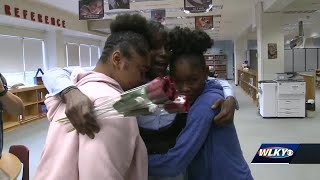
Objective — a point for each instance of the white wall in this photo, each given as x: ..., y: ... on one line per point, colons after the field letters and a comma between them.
x: 21, y: 31
x: 81, y: 40
x: 72, y: 20
x: 55, y: 50
x: 269, y: 30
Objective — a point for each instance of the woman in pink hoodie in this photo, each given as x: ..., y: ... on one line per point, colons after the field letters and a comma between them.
x: 117, y: 152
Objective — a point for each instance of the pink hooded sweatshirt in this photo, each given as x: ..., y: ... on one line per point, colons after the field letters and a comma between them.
x: 116, y: 153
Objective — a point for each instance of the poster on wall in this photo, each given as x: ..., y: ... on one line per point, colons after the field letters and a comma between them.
x: 272, y: 51
x: 91, y: 9
x: 197, y: 6
x: 158, y: 15
x: 203, y: 22
x: 119, y: 4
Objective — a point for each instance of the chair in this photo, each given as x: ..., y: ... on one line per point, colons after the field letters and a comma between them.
x: 22, y: 152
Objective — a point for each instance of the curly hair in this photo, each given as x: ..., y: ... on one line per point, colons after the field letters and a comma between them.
x: 188, y: 44
x: 128, y: 32
x: 159, y: 34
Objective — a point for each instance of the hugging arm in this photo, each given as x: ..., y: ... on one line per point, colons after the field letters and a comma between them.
x: 78, y: 106
x: 228, y: 104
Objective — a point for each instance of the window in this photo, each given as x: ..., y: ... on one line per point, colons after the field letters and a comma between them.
x: 73, y: 55
x: 33, y: 57
x: 11, y: 54
x: 95, y: 55
x: 33, y: 54
x: 20, y: 58
x: 82, y: 55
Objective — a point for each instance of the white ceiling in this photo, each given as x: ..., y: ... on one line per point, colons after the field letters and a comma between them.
x: 236, y: 15
x: 307, y: 11
x: 233, y: 15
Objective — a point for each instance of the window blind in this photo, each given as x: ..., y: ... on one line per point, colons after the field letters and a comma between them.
x: 33, y: 54
x: 73, y: 54
x: 11, y: 54
x: 85, y: 55
x: 95, y: 55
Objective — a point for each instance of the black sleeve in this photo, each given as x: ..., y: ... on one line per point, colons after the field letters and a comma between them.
x: 160, y: 141
x: 1, y: 123
x: 4, y: 81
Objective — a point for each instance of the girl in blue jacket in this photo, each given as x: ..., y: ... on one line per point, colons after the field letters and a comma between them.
x: 206, y: 151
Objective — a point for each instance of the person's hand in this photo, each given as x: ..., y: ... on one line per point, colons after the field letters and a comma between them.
x: 226, y: 114
x: 79, y: 112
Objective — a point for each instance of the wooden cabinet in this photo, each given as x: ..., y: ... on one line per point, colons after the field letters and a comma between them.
x: 248, y: 81
x: 33, y: 101
x: 310, y: 85
x: 218, y: 63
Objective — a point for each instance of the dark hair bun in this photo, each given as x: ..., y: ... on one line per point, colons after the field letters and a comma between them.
x: 184, y: 40
x: 127, y: 22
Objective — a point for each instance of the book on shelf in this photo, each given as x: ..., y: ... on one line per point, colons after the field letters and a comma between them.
x: 217, y: 63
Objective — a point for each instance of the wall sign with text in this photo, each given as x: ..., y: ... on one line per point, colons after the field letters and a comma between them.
x: 36, y: 17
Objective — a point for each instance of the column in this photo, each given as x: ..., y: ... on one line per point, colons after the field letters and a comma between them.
x: 269, y: 34
x: 240, y: 48
x: 55, y: 49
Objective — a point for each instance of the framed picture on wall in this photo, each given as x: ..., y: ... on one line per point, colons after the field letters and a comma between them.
x: 91, y: 9
x: 197, y: 6
x: 203, y: 22
x: 272, y: 51
x: 119, y: 4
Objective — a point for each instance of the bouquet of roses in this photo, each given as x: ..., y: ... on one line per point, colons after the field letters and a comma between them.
x: 144, y: 100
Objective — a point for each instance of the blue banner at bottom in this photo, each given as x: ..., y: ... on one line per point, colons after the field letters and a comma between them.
x: 287, y: 154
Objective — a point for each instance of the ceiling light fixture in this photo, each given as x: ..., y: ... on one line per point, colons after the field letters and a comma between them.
x: 186, y: 11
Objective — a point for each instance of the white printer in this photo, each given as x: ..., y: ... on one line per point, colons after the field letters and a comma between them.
x: 282, y: 98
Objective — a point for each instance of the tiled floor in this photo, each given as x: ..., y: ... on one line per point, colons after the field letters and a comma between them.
x: 252, y: 130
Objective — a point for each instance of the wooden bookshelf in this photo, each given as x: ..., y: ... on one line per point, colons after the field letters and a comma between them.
x: 248, y: 81
x: 218, y: 63
x: 33, y: 101
x: 310, y: 85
